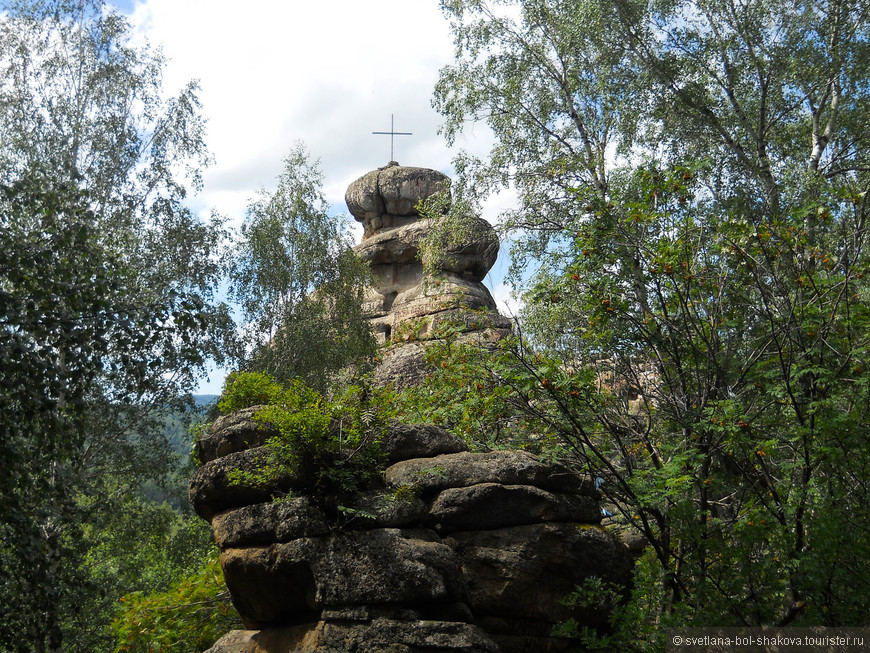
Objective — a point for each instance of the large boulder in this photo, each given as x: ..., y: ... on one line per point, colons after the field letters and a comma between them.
x: 518, y: 577
x: 233, y: 481
x: 234, y: 432
x: 494, y: 505
x: 405, y: 441
x: 471, y: 257
x: 396, y: 245
x: 361, y: 633
x: 269, y: 523
x: 504, y: 467
x: 448, y: 550
x: 455, y: 551
x: 284, y: 583
x: 405, y: 364
x: 407, y: 301
x: 474, y: 254
x: 402, y: 188
x: 386, y: 197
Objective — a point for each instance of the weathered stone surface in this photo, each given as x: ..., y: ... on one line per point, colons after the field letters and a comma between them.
x: 392, y: 191
x: 480, y: 328
x: 405, y: 364
x: 268, y: 523
x: 286, y: 583
x: 402, y: 366
x: 373, y: 585
x: 466, y: 468
x: 403, y: 187
x: 449, y: 292
x: 493, y: 505
x: 246, y: 641
x: 396, y: 245
x: 405, y: 302
x: 363, y: 196
x: 476, y: 254
x: 538, y: 637
x: 235, y: 432
x: 331, y: 573
x: 388, y: 511
x: 522, y: 572
x: 472, y: 258
x: 405, y: 441
x: 212, y: 489
x: 380, y: 635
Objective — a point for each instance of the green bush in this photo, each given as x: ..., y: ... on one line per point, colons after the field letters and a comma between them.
x: 187, y: 618
x: 332, y: 446
x: 246, y: 389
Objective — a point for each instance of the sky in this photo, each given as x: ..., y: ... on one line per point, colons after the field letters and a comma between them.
x: 328, y: 73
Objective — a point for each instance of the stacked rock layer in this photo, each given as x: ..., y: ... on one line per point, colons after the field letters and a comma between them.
x: 408, y: 305
x: 453, y: 552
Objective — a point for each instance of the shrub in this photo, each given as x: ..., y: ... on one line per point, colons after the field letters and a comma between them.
x: 331, y: 445
x: 188, y: 617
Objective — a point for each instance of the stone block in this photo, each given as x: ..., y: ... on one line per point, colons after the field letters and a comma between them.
x: 286, y: 583
x: 467, y: 468
x: 217, y: 485
x: 493, y: 505
x: 231, y: 433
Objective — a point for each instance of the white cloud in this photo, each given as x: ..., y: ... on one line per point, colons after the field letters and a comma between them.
x: 328, y: 73
x: 508, y: 305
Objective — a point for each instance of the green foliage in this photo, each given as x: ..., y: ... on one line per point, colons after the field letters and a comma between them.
x: 141, y: 547
x: 106, y: 302
x: 454, y: 223
x: 635, y: 625
x: 300, y: 283
x: 75, y: 353
x: 690, y: 238
x: 729, y: 421
x: 331, y: 446
x: 246, y: 389
x: 464, y: 394
x: 187, y: 618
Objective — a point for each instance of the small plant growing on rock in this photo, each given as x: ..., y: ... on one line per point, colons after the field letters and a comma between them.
x: 331, y: 446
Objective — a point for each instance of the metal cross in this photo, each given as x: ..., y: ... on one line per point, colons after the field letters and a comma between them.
x: 393, y: 133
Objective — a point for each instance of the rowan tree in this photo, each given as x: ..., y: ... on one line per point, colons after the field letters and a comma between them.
x: 689, y: 242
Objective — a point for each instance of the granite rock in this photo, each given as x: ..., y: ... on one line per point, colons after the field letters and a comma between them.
x: 231, y: 433
x: 494, y: 505
x: 466, y: 468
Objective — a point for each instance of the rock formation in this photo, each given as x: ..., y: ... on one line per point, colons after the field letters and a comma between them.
x: 453, y: 551
x: 408, y: 306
